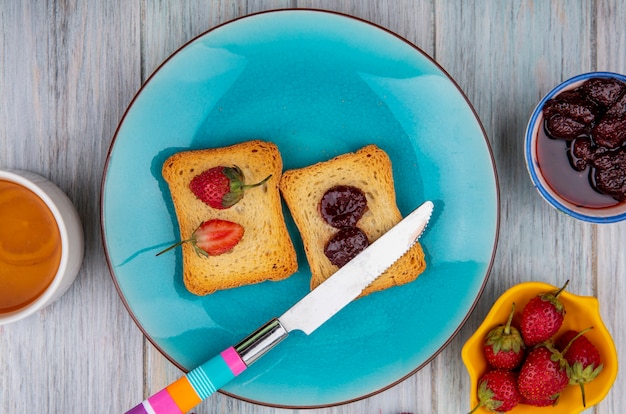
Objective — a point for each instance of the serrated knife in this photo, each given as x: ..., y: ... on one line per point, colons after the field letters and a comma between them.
x: 306, y: 315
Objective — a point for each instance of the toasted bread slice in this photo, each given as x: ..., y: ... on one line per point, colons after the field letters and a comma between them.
x: 368, y: 169
x: 265, y: 251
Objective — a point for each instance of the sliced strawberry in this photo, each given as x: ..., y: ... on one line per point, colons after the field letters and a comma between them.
x: 213, y: 237
x: 216, y: 237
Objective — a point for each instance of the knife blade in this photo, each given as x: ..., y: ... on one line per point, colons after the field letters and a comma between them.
x: 306, y: 315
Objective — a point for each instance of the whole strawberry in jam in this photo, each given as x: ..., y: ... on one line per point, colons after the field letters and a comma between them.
x: 542, y: 317
x: 583, y: 359
x: 221, y: 187
x: 543, y: 375
x: 504, y: 346
x: 497, y: 391
x: 213, y: 237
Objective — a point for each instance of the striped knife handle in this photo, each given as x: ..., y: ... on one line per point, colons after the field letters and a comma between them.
x: 193, y: 388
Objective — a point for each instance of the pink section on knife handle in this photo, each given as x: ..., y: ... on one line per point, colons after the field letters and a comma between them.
x: 162, y: 402
x: 234, y: 361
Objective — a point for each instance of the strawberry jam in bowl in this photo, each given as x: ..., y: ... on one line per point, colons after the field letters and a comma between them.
x: 568, y: 359
x: 575, y: 147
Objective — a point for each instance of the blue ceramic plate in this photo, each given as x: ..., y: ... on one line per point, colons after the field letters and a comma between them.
x: 317, y: 84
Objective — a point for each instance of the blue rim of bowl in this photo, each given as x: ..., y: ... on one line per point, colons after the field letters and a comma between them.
x: 528, y: 147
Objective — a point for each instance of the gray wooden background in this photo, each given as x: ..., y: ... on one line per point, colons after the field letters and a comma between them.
x: 68, y: 70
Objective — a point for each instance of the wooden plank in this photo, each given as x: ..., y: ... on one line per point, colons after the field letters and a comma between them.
x: 168, y: 25
x: 409, y: 19
x: 611, y: 293
x: 69, y: 69
x: 611, y: 258
x: 503, y: 57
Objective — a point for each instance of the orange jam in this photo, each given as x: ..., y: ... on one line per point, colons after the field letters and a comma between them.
x: 30, y: 246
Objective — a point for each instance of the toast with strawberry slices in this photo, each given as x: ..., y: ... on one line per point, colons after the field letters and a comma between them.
x: 368, y: 169
x: 265, y: 251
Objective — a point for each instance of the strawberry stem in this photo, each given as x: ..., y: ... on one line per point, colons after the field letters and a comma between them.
x: 507, y: 328
x: 476, y: 408
x: 578, y: 335
x: 582, y: 390
x: 558, y: 292
x: 246, y: 186
x: 173, y: 246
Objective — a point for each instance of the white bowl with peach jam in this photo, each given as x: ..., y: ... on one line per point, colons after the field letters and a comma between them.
x: 41, y: 244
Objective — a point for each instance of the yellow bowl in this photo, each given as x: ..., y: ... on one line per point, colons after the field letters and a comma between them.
x: 581, y: 312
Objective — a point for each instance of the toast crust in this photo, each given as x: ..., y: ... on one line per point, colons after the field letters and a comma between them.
x: 265, y: 251
x: 368, y: 169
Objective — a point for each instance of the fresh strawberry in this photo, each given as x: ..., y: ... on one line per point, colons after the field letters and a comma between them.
x: 538, y: 403
x: 542, y: 317
x: 543, y: 374
x: 583, y: 359
x: 497, y: 391
x: 221, y: 187
x: 504, y: 347
x: 213, y: 237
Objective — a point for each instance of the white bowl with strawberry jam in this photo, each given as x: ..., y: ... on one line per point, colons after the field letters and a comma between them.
x: 575, y: 147
x: 41, y: 244
x: 581, y: 313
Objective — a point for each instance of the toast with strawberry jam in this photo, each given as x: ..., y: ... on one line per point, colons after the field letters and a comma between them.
x: 215, y: 192
x: 342, y: 205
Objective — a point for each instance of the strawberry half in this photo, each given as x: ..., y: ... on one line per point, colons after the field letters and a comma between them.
x: 504, y: 346
x: 213, y: 237
x: 542, y: 317
x: 221, y: 187
x: 497, y: 391
x: 583, y: 359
